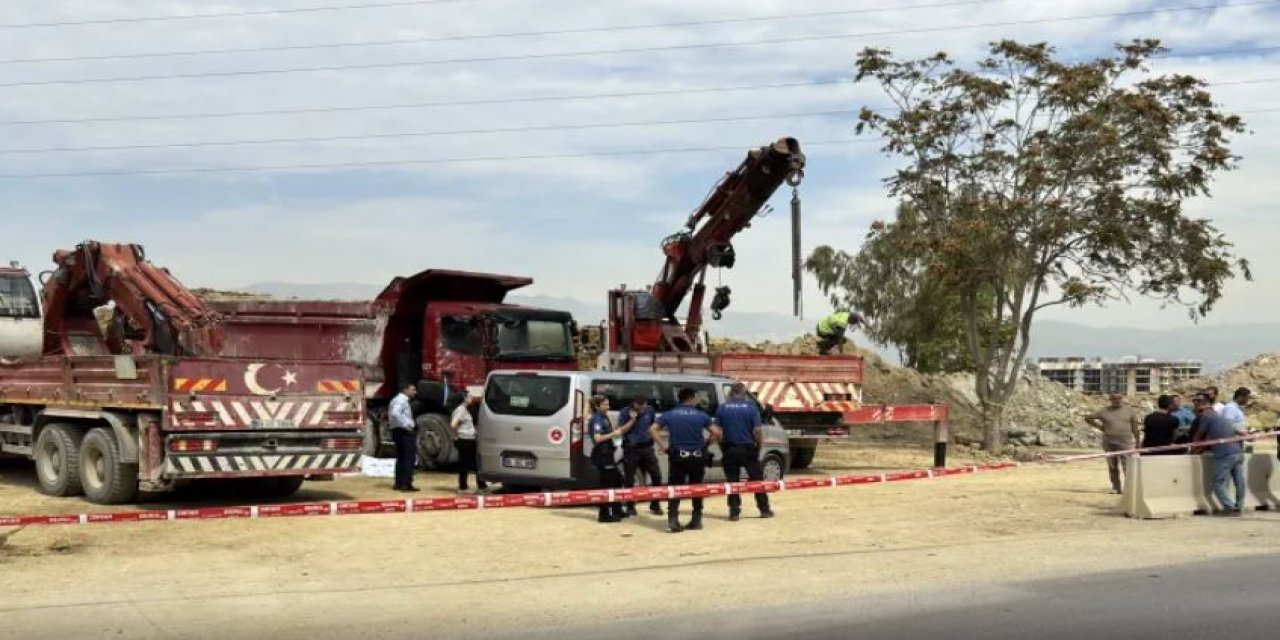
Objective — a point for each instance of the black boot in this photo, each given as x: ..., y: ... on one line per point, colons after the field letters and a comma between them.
x: 655, y: 508
x: 606, y: 515
x: 630, y: 510
x: 696, y: 523
x: 673, y: 523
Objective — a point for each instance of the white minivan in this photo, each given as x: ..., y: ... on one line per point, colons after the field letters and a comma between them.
x: 530, y: 431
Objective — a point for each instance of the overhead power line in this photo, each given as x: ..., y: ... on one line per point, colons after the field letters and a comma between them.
x: 493, y: 36
x: 391, y: 163
x: 417, y: 105
x: 432, y: 161
x: 457, y: 132
x: 228, y: 14
x: 597, y: 52
x: 470, y: 103
x: 425, y: 134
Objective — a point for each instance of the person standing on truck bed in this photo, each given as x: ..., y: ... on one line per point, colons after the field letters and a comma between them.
x: 637, y: 450
x: 464, y: 440
x: 402, y: 434
x: 831, y: 329
x: 604, y: 455
x: 740, y: 430
x: 687, y: 427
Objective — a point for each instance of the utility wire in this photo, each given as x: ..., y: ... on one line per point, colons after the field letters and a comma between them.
x: 228, y: 14
x: 433, y: 161
x: 424, y: 134
x: 387, y: 163
x: 468, y: 103
x: 415, y: 105
x: 492, y: 36
x: 597, y: 52
x: 492, y: 130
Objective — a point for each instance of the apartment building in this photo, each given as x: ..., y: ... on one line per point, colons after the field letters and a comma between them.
x: 1130, y: 375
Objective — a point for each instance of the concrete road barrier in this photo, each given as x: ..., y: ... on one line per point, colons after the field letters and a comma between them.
x: 1171, y: 486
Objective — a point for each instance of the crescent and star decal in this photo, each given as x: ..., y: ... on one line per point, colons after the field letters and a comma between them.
x: 251, y: 373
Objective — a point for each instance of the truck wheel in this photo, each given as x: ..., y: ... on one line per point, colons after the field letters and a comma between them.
x: 774, y: 467
x: 802, y: 458
x: 58, y: 460
x: 435, y: 442
x: 105, y: 478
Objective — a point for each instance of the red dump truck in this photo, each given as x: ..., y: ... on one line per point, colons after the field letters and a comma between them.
x: 110, y: 380
x: 444, y: 330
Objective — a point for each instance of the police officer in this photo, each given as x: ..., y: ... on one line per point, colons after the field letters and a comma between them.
x: 637, y: 450
x: 687, y: 429
x: 604, y: 454
x: 740, y: 431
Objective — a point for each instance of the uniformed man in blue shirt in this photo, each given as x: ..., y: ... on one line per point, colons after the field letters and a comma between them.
x: 687, y: 428
x: 740, y: 430
x: 638, y: 454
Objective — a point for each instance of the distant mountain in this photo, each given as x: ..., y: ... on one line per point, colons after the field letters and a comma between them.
x: 1218, y: 346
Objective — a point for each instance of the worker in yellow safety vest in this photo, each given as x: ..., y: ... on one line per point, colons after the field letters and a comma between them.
x: 831, y: 329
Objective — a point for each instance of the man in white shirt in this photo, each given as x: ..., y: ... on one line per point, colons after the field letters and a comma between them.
x: 400, y: 415
x: 1233, y: 411
x: 464, y: 434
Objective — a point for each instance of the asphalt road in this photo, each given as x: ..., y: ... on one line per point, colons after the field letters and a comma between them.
x: 1234, y: 598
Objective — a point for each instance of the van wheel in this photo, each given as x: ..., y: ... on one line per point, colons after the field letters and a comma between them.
x: 435, y: 442
x: 105, y: 478
x: 58, y: 460
x: 774, y: 467
x: 802, y: 458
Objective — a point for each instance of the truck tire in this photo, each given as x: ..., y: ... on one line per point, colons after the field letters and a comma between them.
x: 435, y: 442
x: 802, y: 458
x: 106, y: 480
x: 58, y: 459
x: 774, y: 467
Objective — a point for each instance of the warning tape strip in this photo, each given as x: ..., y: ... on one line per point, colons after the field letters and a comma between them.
x: 567, y: 498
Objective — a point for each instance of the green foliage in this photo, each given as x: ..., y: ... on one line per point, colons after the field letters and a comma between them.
x: 1027, y: 183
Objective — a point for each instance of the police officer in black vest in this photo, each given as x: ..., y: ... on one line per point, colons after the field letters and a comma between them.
x: 687, y: 429
x: 638, y: 455
x: 740, y: 430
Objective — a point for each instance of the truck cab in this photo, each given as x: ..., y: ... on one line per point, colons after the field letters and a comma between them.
x: 21, y: 326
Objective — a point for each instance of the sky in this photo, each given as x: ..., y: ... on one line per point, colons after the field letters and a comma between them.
x: 481, y: 193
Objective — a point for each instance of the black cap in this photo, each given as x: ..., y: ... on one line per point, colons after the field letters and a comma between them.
x: 1242, y: 392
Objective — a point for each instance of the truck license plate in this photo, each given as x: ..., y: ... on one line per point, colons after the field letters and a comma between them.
x: 520, y: 463
x: 273, y: 424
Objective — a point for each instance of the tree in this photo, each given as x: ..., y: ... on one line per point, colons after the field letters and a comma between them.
x: 914, y: 314
x: 1028, y: 183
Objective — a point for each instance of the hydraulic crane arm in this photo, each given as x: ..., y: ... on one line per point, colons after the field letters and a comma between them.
x: 727, y: 211
x: 152, y: 308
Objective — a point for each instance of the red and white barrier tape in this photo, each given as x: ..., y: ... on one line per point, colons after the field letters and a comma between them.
x: 564, y: 498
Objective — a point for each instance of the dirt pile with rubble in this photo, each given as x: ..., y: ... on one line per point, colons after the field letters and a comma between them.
x: 1041, y: 413
x: 1261, y: 375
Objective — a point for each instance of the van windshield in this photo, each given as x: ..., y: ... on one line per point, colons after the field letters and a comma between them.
x: 527, y: 395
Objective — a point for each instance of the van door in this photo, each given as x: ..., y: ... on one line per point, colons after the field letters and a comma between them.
x: 530, y: 425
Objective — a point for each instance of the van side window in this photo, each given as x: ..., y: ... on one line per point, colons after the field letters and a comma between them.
x: 621, y: 392
x: 707, y: 400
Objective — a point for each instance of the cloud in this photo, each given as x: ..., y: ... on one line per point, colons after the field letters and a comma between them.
x: 578, y: 225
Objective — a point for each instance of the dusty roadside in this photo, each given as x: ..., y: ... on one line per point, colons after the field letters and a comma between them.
x: 469, y: 573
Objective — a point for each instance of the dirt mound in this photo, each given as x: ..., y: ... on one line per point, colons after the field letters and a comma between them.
x: 1261, y: 375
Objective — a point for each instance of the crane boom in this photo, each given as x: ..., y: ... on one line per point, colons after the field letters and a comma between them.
x: 153, y: 311
x: 646, y: 320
